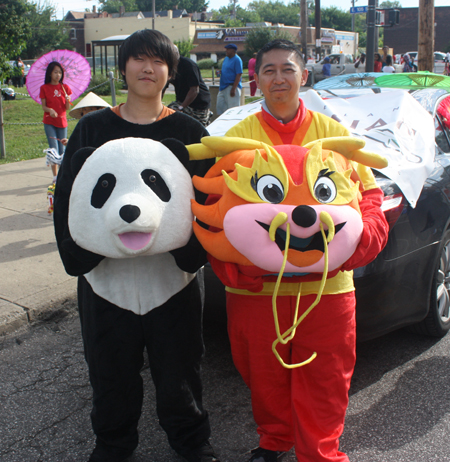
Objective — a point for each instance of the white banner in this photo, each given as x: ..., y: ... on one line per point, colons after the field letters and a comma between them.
x: 392, y: 123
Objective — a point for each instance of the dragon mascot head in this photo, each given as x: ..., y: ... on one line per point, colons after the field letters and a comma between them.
x: 288, y: 210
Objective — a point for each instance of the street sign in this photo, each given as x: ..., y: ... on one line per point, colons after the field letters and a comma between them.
x: 359, y: 9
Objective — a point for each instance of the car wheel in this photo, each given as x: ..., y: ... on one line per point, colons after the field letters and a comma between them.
x: 437, y: 322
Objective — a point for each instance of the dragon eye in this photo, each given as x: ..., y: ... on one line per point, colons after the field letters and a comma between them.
x: 325, y: 190
x: 270, y: 189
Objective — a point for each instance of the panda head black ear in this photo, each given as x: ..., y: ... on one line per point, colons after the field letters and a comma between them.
x: 79, y: 158
x: 178, y: 148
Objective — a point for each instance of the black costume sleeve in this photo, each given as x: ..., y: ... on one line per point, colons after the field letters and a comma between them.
x: 76, y: 261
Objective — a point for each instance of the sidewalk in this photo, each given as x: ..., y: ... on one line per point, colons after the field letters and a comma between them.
x: 33, y: 282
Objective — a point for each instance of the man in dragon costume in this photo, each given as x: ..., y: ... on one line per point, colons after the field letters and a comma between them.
x: 288, y: 227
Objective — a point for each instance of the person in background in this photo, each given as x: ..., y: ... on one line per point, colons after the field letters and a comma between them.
x: 21, y: 67
x: 407, y: 63
x: 230, y: 86
x: 360, y: 63
x: 251, y: 74
x: 326, y: 68
x: 385, y: 55
x: 389, y: 68
x: 55, y: 98
x: 192, y: 94
x: 378, y: 63
x: 91, y: 102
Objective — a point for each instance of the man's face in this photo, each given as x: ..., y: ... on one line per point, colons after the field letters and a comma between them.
x: 280, y: 77
x: 146, y: 76
x: 230, y: 52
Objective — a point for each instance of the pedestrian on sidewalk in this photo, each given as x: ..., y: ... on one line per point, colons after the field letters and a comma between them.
x: 115, y: 337
x: 230, y: 86
x: 251, y: 74
x: 55, y: 97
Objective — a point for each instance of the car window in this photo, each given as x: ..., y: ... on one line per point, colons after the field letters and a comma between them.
x: 334, y: 59
x: 348, y: 59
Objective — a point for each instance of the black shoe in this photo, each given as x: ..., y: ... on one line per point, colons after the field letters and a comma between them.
x: 99, y: 455
x: 265, y: 455
x: 204, y: 453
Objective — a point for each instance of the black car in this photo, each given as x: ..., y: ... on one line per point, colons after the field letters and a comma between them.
x: 408, y: 284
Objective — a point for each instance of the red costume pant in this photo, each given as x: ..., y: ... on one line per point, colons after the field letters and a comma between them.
x: 305, y: 406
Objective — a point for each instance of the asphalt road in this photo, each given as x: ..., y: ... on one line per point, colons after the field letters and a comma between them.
x: 399, y: 404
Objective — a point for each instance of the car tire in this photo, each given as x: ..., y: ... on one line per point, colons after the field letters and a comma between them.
x: 437, y: 321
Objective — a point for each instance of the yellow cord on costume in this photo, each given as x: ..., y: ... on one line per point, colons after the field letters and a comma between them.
x: 284, y: 338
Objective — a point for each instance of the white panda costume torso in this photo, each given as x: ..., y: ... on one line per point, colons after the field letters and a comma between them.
x: 131, y: 202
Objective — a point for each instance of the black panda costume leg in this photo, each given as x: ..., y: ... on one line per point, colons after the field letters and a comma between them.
x: 114, y: 341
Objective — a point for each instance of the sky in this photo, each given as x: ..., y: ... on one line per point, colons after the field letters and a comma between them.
x: 63, y: 6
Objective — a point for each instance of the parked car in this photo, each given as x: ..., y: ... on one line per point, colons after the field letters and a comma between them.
x: 408, y: 284
x: 439, y: 60
x: 341, y: 63
x: 8, y: 94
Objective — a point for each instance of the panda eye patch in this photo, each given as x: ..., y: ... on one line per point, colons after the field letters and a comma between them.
x: 156, y: 183
x: 103, y: 189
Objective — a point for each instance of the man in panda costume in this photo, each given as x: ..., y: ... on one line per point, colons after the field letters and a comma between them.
x: 123, y: 225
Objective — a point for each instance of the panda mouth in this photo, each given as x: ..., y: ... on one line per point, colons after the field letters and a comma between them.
x: 135, y: 241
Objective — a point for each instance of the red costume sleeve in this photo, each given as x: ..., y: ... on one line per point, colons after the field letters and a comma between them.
x: 229, y: 275
x: 375, y: 233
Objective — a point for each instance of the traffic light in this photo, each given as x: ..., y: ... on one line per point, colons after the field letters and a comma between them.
x: 393, y: 17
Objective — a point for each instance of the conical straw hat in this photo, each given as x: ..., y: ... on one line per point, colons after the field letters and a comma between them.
x: 90, y: 100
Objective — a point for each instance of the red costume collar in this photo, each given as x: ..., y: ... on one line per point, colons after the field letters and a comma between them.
x: 291, y: 126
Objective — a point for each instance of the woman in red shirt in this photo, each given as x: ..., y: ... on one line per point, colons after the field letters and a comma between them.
x: 378, y: 64
x: 55, y: 97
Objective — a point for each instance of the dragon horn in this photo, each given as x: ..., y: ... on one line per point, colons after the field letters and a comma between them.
x: 219, y: 146
x: 351, y: 148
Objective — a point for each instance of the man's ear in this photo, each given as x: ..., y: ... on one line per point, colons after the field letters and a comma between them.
x: 257, y: 80
x: 304, y: 77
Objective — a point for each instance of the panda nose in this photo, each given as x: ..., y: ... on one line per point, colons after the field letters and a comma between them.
x: 129, y: 213
x: 304, y: 216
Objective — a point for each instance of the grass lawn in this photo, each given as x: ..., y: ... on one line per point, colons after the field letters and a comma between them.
x: 24, y: 132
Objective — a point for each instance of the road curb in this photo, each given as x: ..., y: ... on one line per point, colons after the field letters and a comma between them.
x: 51, y: 302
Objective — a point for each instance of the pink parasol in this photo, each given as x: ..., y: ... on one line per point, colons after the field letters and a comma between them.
x: 77, y: 72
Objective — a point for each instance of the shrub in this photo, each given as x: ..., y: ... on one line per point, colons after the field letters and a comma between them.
x: 206, y: 63
x: 105, y: 89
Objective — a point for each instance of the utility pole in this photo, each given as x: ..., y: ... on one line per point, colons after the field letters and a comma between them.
x: 370, y: 47
x: 353, y: 16
x: 426, y: 35
x: 318, y: 26
x: 154, y: 14
x: 304, y: 26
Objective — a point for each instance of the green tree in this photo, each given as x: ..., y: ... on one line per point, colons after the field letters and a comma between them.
x: 259, y: 36
x: 276, y: 11
x: 46, y: 34
x: 14, y: 31
x: 388, y: 4
x: 191, y: 6
x: 113, y: 6
x: 334, y: 18
x: 184, y: 47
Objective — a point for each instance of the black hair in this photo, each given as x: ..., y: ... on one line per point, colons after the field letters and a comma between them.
x: 49, y: 70
x: 280, y: 44
x: 151, y: 43
x: 377, y: 57
x: 389, y: 60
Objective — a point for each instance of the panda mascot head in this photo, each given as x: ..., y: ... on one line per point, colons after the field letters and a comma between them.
x: 131, y: 197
